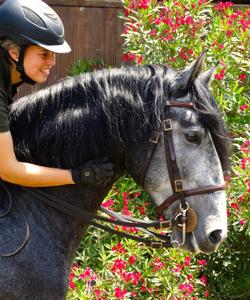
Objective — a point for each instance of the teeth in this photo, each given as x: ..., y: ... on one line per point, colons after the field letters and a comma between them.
x: 45, y: 71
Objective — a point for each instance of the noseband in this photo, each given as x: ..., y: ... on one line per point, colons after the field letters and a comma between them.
x: 172, y: 166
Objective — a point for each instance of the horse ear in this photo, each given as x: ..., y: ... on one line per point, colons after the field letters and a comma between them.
x: 206, y: 77
x: 188, y: 76
x: 193, y: 71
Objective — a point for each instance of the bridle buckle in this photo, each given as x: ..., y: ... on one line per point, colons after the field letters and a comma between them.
x: 154, y: 137
x: 167, y: 125
x: 178, y: 185
x: 156, y: 244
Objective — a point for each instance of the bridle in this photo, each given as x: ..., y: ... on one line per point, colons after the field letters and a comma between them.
x: 184, y: 213
x: 184, y: 218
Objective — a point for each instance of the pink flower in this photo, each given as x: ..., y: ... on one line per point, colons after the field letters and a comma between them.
x: 137, y: 194
x: 204, y: 279
x: 177, y: 269
x: 241, y: 198
x: 126, y: 212
x: 244, y: 162
x: 157, y: 21
x: 206, y: 293
x: 190, y: 277
x: 139, y: 59
x: 157, y: 264
x: 245, y: 147
x: 188, y: 287
x: 244, y: 107
x: 119, y: 248
x: 97, y: 292
x: 146, y: 289
x: 120, y: 293
x: 229, y: 32
x: 234, y: 205
x: 190, y: 51
x: 143, y: 4
x: 223, y: 6
x: 153, y: 32
x: 132, y: 277
x: 169, y: 37
x: 125, y: 195
x: 220, y: 75
x: 71, y: 282
x: 242, y: 77
x: 108, y: 203
x: 187, y: 261
x: 129, y: 57
x: 118, y: 265
x: 202, y: 262
x: 141, y: 210
x: 132, y: 259
x: 242, y: 222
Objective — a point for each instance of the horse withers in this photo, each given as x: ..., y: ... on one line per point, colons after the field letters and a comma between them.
x: 114, y: 113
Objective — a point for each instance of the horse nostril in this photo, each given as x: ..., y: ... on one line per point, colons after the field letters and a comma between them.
x: 215, y: 237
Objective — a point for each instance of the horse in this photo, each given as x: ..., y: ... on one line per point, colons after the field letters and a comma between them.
x: 113, y: 113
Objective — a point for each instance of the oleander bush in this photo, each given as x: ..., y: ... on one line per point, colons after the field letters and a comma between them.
x: 108, y: 267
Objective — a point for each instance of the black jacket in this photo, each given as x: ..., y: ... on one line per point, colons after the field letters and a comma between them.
x: 7, y: 91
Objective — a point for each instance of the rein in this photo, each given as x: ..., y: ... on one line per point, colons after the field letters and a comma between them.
x: 92, y: 219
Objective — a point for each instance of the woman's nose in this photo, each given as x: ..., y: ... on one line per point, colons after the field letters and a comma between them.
x: 52, y: 60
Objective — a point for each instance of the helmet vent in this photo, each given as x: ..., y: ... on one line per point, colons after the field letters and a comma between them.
x: 33, y: 17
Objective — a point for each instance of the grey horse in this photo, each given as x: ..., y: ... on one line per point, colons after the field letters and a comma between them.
x: 108, y: 113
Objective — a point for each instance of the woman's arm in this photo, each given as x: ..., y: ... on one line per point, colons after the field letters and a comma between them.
x: 27, y: 174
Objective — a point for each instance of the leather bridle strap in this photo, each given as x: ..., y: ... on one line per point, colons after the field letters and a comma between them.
x: 27, y: 229
x: 88, y: 217
x: 170, y: 155
x: 152, y: 146
x: 187, y: 193
x: 155, y: 138
x: 159, y: 240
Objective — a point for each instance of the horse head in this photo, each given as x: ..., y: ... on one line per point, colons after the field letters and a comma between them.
x: 187, y: 156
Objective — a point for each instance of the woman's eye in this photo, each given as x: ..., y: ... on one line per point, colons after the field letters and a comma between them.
x: 194, y: 138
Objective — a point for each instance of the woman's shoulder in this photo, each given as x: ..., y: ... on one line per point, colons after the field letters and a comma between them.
x: 5, y: 81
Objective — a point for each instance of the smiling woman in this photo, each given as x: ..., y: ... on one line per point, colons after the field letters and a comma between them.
x: 38, y: 62
x: 30, y: 35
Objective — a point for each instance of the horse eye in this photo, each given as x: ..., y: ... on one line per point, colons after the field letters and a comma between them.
x: 193, y: 137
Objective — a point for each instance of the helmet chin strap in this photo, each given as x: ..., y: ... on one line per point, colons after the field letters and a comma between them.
x: 20, y: 67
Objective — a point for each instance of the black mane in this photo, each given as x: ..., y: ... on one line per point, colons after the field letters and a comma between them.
x: 102, y: 112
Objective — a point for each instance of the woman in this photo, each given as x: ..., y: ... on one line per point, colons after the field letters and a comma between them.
x: 30, y: 35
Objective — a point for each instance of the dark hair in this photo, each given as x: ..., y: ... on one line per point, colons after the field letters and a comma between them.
x: 96, y: 111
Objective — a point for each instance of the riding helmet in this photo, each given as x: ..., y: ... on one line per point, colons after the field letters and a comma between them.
x: 32, y: 22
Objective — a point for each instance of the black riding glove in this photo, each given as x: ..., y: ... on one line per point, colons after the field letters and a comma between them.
x: 98, y: 172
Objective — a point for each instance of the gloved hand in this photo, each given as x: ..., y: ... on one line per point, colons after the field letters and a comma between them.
x: 98, y: 172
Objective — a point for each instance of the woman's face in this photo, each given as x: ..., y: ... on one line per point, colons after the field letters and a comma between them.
x: 38, y: 62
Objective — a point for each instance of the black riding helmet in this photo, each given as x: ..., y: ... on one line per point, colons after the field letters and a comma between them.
x: 33, y: 22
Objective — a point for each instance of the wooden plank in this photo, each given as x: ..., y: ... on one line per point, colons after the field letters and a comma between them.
x: 86, y: 3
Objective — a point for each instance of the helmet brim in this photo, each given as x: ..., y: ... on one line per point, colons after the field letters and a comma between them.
x: 63, y: 48
x: 59, y: 48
